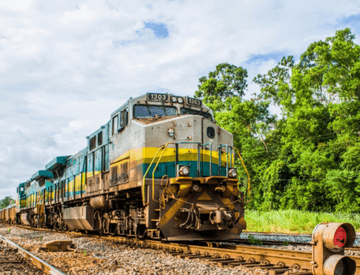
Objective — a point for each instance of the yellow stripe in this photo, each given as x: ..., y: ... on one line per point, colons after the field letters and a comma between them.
x: 146, y: 155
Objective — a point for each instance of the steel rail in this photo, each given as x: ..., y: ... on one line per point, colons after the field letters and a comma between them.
x: 273, y: 259
x: 270, y: 242
x: 39, y: 263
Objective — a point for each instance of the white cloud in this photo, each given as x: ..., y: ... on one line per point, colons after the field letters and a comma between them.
x: 65, y: 66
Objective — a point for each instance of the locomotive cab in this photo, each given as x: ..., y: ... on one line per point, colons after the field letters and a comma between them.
x: 20, y: 197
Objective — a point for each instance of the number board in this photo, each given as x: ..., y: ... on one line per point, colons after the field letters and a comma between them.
x: 193, y: 101
x: 156, y: 97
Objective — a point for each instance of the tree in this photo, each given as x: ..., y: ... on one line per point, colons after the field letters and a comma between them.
x: 319, y: 99
x: 7, y: 201
x: 308, y: 158
x: 247, y: 120
x: 226, y: 81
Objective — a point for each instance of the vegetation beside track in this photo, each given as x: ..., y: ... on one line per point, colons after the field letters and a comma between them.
x: 294, y: 221
x: 306, y: 158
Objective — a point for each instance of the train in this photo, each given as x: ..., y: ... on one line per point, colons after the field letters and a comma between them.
x: 8, y: 214
x: 159, y: 168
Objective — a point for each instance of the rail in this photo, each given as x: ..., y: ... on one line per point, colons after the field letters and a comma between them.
x: 248, y: 191
x: 153, y: 173
x: 147, y: 171
x: 45, y: 267
x: 272, y: 260
x: 210, y: 161
x: 229, y: 153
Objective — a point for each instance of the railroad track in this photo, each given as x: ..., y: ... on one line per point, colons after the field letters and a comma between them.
x: 16, y: 260
x: 259, y: 259
x: 271, y: 242
x: 348, y: 251
x: 256, y: 258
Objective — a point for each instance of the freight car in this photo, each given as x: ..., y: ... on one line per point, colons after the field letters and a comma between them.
x: 159, y: 168
x: 8, y: 214
x: 2, y: 215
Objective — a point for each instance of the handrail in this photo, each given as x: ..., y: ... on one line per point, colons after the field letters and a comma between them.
x: 157, y: 163
x: 248, y: 191
x: 210, y: 167
x: 228, y: 152
x: 147, y: 171
x: 153, y: 174
x: 198, y: 153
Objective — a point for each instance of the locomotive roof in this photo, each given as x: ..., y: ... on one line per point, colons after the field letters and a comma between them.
x: 56, y: 163
x: 42, y: 174
x: 124, y: 105
x: 143, y: 97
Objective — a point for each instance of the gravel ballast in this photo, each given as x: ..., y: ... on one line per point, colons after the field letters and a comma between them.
x: 101, y: 256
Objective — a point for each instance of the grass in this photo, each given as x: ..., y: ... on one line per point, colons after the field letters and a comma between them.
x: 294, y: 221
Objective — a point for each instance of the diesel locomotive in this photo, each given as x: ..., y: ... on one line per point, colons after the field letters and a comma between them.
x: 159, y: 168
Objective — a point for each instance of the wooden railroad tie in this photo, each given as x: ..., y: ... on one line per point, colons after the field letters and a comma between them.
x: 57, y: 246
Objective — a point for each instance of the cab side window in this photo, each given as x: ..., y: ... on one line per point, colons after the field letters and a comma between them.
x: 92, y: 143
x: 115, y: 124
x: 124, y: 118
x: 100, y: 138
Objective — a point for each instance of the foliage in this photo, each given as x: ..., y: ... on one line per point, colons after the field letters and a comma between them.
x: 6, y: 202
x: 253, y: 240
x: 307, y: 159
x: 226, y: 81
x: 222, y: 91
x: 294, y: 221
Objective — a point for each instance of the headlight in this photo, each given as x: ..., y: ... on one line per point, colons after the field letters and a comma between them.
x: 174, y: 99
x: 180, y: 100
x: 184, y: 171
x: 233, y: 173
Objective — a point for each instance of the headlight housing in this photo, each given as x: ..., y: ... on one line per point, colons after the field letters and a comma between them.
x: 174, y: 99
x: 180, y: 100
x: 232, y: 173
x: 184, y: 171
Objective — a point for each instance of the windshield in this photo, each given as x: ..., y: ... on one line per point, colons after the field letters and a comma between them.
x: 143, y: 111
x: 185, y: 111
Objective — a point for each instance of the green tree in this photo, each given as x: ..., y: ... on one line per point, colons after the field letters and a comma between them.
x: 319, y: 100
x: 7, y: 201
x: 226, y: 81
x: 308, y: 158
x: 247, y: 120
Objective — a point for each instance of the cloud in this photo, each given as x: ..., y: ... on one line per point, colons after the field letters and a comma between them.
x: 66, y: 66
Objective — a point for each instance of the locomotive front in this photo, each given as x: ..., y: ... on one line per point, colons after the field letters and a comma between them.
x: 189, y: 185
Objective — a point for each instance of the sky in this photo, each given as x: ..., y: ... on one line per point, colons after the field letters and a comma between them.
x: 66, y: 65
